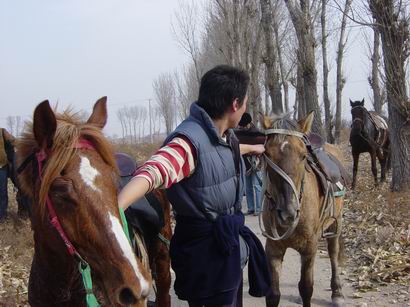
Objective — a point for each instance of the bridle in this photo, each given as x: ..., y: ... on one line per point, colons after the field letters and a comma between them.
x: 298, y: 194
x: 83, y: 266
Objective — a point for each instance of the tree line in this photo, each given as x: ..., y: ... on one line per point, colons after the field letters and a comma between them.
x: 283, y: 44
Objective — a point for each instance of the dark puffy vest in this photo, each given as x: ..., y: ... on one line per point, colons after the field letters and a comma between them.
x: 217, y: 185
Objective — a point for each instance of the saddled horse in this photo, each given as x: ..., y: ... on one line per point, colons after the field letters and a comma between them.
x: 68, y: 169
x: 370, y: 134
x: 304, y: 188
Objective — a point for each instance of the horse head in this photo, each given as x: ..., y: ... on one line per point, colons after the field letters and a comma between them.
x: 78, y: 177
x: 358, y: 115
x: 286, y: 155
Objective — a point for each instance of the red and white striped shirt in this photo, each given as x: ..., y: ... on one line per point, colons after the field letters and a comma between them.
x: 170, y: 164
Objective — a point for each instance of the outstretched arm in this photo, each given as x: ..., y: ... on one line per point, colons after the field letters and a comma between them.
x: 252, y: 149
x: 167, y: 166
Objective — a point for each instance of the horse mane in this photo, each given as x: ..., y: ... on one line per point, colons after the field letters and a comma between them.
x: 70, y: 129
x: 283, y: 121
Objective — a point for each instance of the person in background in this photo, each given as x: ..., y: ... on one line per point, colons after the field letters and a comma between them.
x: 6, y: 153
x: 201, y: 168
x: 253, y: 172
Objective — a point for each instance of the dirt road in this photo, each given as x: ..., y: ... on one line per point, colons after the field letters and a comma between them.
x: 322, y: 294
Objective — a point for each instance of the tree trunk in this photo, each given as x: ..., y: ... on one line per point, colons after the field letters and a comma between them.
x: 281, y: 66
x: 301, y: 106
x: 270, y: 57
x: 302, y: 21
x: 395, y: 39
x: 254, y: 89
x: 326, y: 100
x: 375, y: 82
x: 340, y: 80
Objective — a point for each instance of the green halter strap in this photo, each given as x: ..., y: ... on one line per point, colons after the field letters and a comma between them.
x: 85, y: 270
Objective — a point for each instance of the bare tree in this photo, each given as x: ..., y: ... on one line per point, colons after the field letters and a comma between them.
x: 302, y: 20
x: 121, y: 118
x: 143, y: 119
x: 165, y: 95
x: 392, y: 20
x: 270, y: 59
x: 187, y: 90
x: 374, y: 80
x: 10, y: 124
x: 185, y: 32
x: 340, y: 79
x: 325, y: 66
x: 284, y: 74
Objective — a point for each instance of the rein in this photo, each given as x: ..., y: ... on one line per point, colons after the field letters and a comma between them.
x: 329, y: 193
x: 298, y: 194
x: 83, y: 266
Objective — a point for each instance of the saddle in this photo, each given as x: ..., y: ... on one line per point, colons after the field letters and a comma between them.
x: 381, y: 127
x: 327, y: 168
x: 145, y: 216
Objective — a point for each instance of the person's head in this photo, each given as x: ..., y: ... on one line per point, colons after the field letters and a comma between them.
x: 223, y: 90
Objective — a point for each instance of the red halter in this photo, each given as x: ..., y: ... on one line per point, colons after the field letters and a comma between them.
x: 41, y: 157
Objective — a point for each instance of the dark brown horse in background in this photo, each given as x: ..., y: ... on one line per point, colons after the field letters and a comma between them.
x: 370, y: 134
x: 296, y: 208
x: 80, y: 181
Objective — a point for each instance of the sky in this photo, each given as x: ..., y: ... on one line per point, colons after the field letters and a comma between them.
x: 76, y: 51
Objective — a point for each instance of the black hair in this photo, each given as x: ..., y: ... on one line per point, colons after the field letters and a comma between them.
x: 246, y: 119
x: 220, y: 86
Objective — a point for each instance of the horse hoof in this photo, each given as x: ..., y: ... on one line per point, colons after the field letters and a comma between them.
x: 338, y: 302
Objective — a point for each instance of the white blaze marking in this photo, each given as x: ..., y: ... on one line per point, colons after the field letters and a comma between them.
x: 88, y: 173
x: 125, y: 246
x: 282, y: 147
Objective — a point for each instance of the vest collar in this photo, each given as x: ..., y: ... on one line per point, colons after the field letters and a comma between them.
x: 200, y: 114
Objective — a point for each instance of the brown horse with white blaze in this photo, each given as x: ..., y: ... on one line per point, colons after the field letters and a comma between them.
x: 294, y: 205
x: 72, y: 178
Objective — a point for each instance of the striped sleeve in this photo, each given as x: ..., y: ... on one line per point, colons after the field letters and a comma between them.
x: 170, y: 164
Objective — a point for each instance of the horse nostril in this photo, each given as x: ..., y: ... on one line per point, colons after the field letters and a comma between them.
x: 127, y: 297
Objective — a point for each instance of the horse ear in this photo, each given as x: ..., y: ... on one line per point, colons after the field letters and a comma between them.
x: 351, y: 102
x: 44, y: 125
x: 362, y: 102
x: 99, y: 116
x: 266, y: 121
x: 305, y: 124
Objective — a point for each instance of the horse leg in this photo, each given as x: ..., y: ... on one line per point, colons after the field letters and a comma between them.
x: 333, y: 248
x: 355, y: 165
x: 163, y: 276
x: 275, y: 258
x: 306, y: 278
x: 382, y: 160
x: 374, y: 166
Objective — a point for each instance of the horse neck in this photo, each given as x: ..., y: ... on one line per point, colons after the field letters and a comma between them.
x: 53, y: 268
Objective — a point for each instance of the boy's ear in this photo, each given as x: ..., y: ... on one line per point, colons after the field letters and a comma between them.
x: 235, y: 105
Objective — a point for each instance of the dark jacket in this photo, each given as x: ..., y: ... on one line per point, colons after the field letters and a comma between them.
x: 205, y: 258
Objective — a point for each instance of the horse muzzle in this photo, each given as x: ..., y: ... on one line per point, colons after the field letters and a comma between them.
x: 287, y: 217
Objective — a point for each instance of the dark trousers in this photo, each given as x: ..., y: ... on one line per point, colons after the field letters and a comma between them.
x: 237, y: 302
x: 4, y: 200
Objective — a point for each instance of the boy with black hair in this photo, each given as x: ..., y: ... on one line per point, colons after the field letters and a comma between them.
x: 201, y: 167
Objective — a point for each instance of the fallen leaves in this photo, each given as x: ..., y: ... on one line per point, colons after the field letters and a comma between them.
x: 377, y: 233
